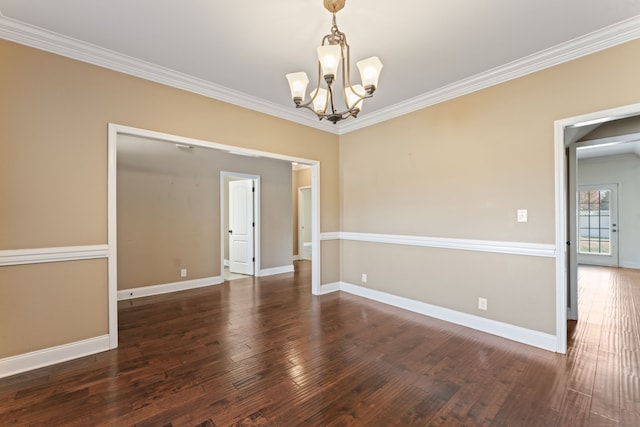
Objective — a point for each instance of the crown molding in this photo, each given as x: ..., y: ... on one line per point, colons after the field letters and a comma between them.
x: 596, y: 41
x: 49, y: 41
x: 32, y: 36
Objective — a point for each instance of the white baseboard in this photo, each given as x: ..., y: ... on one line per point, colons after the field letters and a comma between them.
x: 50, y: 356
x: 329, y: 288
x: 505, y: 330
x: 226, y: 263
x: 296, y: 258
x: 276, y: 270
x: 631, y: 265
x: 166, y: 288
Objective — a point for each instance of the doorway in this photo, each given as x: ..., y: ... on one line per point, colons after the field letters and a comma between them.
x: 240, y: 225
x: 116, y: 131
x: 567, y: 133
x: 597, y: 214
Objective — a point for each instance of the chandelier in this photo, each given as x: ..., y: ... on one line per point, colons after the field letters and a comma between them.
x: 334, y: 56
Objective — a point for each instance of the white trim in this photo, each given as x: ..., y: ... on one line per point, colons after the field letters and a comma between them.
x: 631, y: 265
x: 334, y: 235
x: 145, y: 291
x: 587, y: 44
x: 52, y: 355
x: 57, y: 254
x: 513, y: 248
x: 49, y: 41
x: 275, y: 270
x: 505, y: 330
x: 315, y: 229
x: 296, y: 258
x: 329, y: 288
x: 226, y: 263
x: 177, y: 139
x: 112, y: 233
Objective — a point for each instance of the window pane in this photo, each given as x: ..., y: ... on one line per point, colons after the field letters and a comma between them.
x: 594, y: 222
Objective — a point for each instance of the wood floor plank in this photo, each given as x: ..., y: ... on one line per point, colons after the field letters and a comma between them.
x: 575, y: 411
x: 264, y: 351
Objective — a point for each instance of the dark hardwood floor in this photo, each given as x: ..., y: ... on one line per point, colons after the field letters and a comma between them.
x: 267, y: 352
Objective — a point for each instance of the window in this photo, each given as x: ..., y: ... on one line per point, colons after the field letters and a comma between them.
x: 594, y: 222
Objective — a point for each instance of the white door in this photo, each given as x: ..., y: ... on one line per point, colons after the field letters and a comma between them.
x: 304, y: 222
x: 598, y: 225
x: 241, y: 226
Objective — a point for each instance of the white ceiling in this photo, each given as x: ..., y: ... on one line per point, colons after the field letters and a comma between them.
x: 614, y: 149
x: 244, y: 48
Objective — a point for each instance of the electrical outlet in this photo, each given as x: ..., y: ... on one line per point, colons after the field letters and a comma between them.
x: 522, y: 215
x: 364, y: 278
x: 183, y: 272
x: 482, y: 303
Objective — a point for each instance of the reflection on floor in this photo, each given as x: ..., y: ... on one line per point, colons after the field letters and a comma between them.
x: 228, y: 276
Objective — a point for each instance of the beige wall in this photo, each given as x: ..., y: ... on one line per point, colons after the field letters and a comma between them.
x: 169, y: 210
x: 46, y: 305
x: 455, y: 279
x: 54, y: 113
x: 461, y: 169
x: 301, y: 178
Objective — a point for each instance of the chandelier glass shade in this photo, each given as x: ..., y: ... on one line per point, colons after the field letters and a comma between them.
x: 334, y: 64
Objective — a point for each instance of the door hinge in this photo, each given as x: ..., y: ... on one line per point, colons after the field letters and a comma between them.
x: 253, y: 224
x: 254, y: 259
x: 253, y: 189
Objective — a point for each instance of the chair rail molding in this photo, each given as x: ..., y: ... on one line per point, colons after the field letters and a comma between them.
x: 513, y: 248
x: 53, y: 254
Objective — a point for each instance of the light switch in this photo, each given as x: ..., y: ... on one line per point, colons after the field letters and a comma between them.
x: 522, y: 215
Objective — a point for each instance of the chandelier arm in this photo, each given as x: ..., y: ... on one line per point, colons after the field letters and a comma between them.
x: 334, y: 117
x: 346, y: 76
x: 352, y: 112
x: 346, y: 65
x: 315, y: 95
x: 330, y: 89
x: 348, y: 61
x: 310, y: 109
x: 307, y: 104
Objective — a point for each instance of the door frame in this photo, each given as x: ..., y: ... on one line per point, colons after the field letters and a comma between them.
x: 114, y: 130
x: 562, y: 181
x: 224, y: 211
x: 300, y: 217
